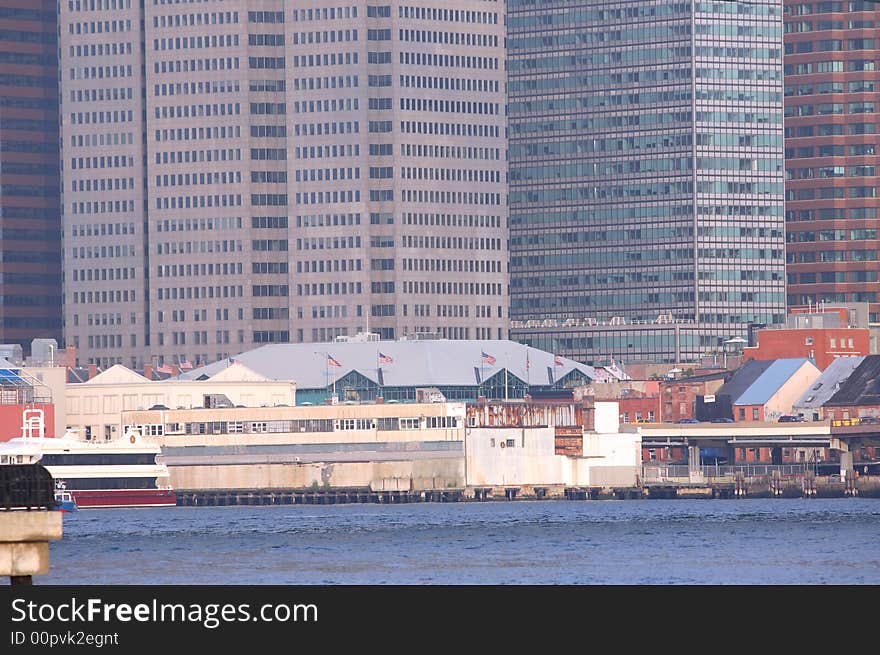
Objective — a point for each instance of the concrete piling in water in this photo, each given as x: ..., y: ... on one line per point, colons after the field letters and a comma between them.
x: 24, y: 543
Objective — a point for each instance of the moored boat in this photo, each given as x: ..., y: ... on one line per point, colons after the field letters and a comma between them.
x: 122, y: 472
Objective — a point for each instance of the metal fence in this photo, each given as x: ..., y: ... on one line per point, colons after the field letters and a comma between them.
x: 660, y: 472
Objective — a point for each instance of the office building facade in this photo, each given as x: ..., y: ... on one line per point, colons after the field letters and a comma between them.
x: 832, y: 75
x: 646, y: 175
x: 271, y: 173
x: 30, y: 222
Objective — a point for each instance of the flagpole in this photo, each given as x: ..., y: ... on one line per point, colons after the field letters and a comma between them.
x: 506, y: 366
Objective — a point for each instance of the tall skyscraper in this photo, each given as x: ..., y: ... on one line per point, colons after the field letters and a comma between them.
x: 30, y: 223
x: 246, y: 172
x: 832, y: 75
x: 646, y: 175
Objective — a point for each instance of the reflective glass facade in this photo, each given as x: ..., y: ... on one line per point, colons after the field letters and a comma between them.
x: 30, y: 222
x: 646, y: 167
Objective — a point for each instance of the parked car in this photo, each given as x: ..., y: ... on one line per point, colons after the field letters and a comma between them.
x: 687, y: 420
x: 790, y: 418
x: 721, y: 420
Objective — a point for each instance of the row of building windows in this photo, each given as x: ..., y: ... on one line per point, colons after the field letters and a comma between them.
x: 191, y: 202
x: 325, y: 36
x: 472, y: 39
x: 449, y: 106
x: 101, y: 117
x: 193, y: 88
x: 328, y: 265
x: 829, y: 129
x: 833, y: 277
x: 830, y: 171
x: 449, y: 129
x: 188, y: 293
x: 328, y: 243
x: 330, y: 82
x: 452, y: 288
x: 862, y: 234
x: 831, y: 150
x: 321, y: 174
x: 113, y: 138
x: 91, y: 297
x: 193, y: 42
x: 89, y: 274
x: 830, y: 214
x: 836, y: 66
x: 99, y: 27
x: 190, y: 20
x: 453, y: 265
x: 102, y: 207
x: 327, y: 151
x: 101, y: 184
x: 451, y: 15
x: 331, y: 59
x: 190, y: 270
x: 827, y: 193
x: 326, y: 220
x: 330, y: 289
x: 448, y: 61
x: 189, y: 247
x: 208, y: 109
x: 332, y: 105
x: 186, y: 134
x: 101, y: 229
x: 826, y: 108
x: 334, y: 127
x: 829, y: 45
x: 452, y: 242
x: 828, y: 7
x: 831, y: 256
x: 322, y: 197
x: 196, y: 179
x: 100, y: 49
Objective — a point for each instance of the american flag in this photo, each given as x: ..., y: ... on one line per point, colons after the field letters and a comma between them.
x: 186, y: 365
x: 527, y: 360
x: 332, y: 362
x: 385, y: 359
x: 487, y: 358
x: 165, y: 369
x: 557, y: 361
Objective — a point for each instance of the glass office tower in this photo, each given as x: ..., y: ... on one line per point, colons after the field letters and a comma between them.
x: 646, y: 175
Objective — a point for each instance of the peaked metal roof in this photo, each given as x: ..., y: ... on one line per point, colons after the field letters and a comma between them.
x: 743, y: 377
x: 771, y: 380
x: 862, y: 387
x: 827, y: 384
x: 430, y: 362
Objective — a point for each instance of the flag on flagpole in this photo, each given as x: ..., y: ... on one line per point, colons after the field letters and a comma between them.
x: 332, y: 362
x: 165, y: 369
x: 384, y: 359
x: 557, y: 361
x: 487, y: 358
x: 186, y: 365
x: 527, y: 360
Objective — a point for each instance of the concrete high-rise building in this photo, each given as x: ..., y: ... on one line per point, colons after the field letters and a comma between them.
x: 832, y: 76
x: 646, y: 175
x: 256, y: 171
x: 30, y: 222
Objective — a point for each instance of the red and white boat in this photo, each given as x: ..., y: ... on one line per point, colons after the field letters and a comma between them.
x: 123, y: 472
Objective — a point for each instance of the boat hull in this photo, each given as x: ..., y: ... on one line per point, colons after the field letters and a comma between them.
x: 110, y: 498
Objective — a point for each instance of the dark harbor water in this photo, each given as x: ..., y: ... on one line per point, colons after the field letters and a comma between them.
x: 647, y: 542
